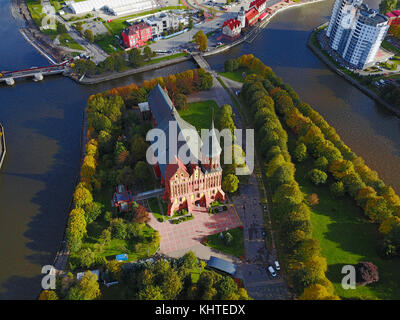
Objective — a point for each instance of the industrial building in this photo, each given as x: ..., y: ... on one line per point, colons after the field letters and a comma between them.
x: 112, y: 7
x: 356, y: 32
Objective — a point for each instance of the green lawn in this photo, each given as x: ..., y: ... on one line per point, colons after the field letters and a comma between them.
x: 36, y: 11
x: 347, y: 237
x: 67, y: 41
x: 388, y: 46
x: 236, y: 75
x: 159, y: 213
x: 236, y: 248
x: 200, y: 113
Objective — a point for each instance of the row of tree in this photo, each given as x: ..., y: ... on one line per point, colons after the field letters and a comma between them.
x: 135, y: 58
x: 300, y: 252
x: 386, y: 6
x: 380, y: 202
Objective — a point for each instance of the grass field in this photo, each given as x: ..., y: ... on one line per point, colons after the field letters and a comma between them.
x: 236, y: 248
x: 235, y: 75
x: 200, y: 113
x: 156, y: 210
x: 67, y: 41
x: 347, y: 237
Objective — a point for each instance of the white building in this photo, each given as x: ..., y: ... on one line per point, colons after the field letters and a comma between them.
x: 114, y: 7
x: 163, y: 22
x: 356, y: 32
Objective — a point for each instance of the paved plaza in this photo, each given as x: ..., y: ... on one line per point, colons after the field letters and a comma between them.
x: 190, y: 233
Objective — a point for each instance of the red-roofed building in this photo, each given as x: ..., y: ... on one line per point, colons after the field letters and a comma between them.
x: 260, y: 5
x: 137, y: 35
x: 193, y: 185
x: 263, y: 16
x: 251, y: 16
x: 394, y: 17
x: 231, y: 28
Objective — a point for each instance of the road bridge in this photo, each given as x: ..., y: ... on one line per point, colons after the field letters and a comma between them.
x: 37, y: 73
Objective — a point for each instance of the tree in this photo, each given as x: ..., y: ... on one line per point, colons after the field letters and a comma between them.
x: 337, y: 189
x: 141, y: 172
x: 92, y: 211
x: 387, y: 6
x: 317, y: 176
x: 61, y: 28
x: 82, y: 196
x: 87, y: 257
x: 190, y: 25
x: 141, y: 215
x: 89, y: 35
x: 138, y: 148
x: 105, y: 237
x: 190, y: 260
x: 317, y: 292
x: 230, y: 183
x: 366, y: 273
x: 118, y: 228
x: 86, y: 289
x: 201, y: 40
x: 135, y: 58
x: 321, y: 163
x: 125, y: 176
x: 148, y: 53
x: 48, y: 295
x: 300, y: 153
x: 151, y: 293
x: 181, y: 102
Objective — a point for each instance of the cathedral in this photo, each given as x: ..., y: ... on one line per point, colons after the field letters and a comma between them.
x: 194, y: 184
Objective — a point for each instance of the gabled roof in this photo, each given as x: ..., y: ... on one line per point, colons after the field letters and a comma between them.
x: 133, y: 29
x: 164, y: 112
x: 250, y: 14
x: 257, y: 3
x: 231, y: 23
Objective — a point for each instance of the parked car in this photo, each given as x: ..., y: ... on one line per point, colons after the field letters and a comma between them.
x: 272, y: 271
x: 277, y: 266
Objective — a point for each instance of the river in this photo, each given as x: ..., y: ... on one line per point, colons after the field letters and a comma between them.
x: 43, y: 127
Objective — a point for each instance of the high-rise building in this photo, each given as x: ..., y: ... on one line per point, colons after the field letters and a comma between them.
x: 356, y: 32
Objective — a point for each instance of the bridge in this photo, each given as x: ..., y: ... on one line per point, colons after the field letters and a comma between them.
x: 37, y: 73
x: 202, y: 63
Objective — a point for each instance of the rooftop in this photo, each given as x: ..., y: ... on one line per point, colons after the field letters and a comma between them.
x: 222, y: 265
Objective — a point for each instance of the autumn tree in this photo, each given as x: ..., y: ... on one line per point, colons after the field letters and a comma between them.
x: 366, y: 273
x: 201, y: 40
x: 86, y: 289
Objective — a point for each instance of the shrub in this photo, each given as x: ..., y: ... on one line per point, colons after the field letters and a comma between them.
x: 228, y: 238
x: 321, y: 163
x: 317, y: 176
x: 337, y: 189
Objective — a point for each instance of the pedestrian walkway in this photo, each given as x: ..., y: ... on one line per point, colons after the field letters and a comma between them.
x: 190, y: 233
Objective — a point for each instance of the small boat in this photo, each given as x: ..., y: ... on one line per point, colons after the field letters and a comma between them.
x: 2, y: 145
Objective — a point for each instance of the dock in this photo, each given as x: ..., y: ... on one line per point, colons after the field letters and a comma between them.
x: 3, y: 148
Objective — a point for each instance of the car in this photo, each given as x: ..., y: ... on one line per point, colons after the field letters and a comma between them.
x: 277, y: 266
x: 272, y: 271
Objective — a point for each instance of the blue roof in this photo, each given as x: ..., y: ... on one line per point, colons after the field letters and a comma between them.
x: 222, y: 265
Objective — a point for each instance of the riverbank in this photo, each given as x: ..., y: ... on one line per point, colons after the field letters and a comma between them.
x: 318, y: 52
x: 117, y: 75
x: 3, y: 148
